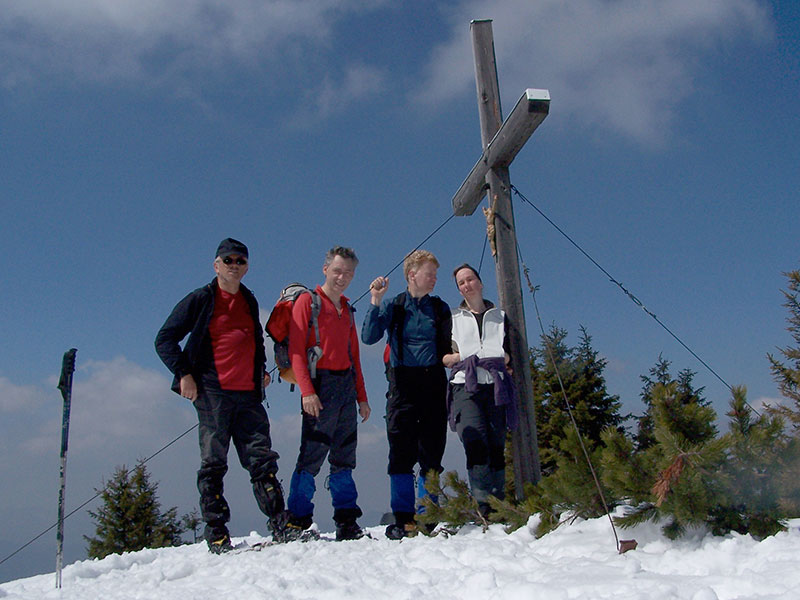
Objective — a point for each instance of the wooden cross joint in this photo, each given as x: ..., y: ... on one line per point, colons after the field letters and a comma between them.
x: 527, y: 115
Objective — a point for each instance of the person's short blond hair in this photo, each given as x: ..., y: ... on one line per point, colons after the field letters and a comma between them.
x: 416, y: 259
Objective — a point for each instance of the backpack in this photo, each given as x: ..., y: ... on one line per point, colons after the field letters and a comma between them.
x: 277, y: 328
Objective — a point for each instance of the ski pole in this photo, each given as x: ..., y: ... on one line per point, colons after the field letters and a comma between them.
x: 65, y: 385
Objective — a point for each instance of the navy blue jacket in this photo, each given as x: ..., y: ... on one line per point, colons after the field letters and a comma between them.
x: 425, y: 323
x: 191, y: 316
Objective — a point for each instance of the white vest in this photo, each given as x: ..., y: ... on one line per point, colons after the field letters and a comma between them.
x: 487, y: 345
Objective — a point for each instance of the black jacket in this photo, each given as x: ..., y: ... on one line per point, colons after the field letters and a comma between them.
x: 191, y: 316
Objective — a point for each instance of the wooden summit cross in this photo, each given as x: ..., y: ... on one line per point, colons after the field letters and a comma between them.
x: 502, y: 140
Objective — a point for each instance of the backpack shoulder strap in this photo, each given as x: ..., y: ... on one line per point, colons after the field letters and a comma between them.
x: 314, y: 353
x: 316, y: 304
x: 397, y: 323
x: 351, y: 309
x: 438, y: 309
x: 440, y: 316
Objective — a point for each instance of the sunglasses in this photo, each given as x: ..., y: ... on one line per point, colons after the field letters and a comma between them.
x: 239, y: 261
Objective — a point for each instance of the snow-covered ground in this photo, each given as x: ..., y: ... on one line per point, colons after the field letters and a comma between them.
x: 577, y: 561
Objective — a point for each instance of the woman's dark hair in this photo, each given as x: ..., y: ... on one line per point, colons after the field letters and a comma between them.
x: 467, y: 266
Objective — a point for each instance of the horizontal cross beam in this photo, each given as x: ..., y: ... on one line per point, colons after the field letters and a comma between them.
x: 526, y: 116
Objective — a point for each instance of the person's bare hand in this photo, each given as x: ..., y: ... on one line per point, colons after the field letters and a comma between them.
x: 311, y: 405
x: 364, y: 410
x: 189, y: 387
x: 377, y: 289
x: 448, y: 360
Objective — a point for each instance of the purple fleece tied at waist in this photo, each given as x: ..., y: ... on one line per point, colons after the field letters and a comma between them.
x: 505, y: 393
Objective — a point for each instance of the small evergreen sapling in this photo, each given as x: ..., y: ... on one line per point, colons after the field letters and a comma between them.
x: 130, y: 517
x: 191, y: 522
x: 517, y: 514
x: 566, y: 494
x: 681, y: 467
x: 752, y: 473
x: 689, y: 476
x: 787, y: 374
x: 455, y: 506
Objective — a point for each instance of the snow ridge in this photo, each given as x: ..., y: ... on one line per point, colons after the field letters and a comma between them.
x: 575, y: 562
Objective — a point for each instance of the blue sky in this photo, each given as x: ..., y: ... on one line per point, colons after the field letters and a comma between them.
x: 136, y: 135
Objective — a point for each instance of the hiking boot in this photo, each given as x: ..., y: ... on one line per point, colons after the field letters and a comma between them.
x: 293, y: 533
x: 427, y: 528
x: 348, y: 530
x: 269, y: 495
x: 486, y: 510
x: 221, y: 545
x: 397, y: 531
x: 277, y: 525
x: 295, y: 529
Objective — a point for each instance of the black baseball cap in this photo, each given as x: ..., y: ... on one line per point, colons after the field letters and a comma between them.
x: 230, y: 246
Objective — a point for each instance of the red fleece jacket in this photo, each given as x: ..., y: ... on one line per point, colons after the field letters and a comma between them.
x: 336, y: 331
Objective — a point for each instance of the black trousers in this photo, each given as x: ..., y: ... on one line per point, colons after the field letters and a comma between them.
x: 416, y: 418
x: 224, y: 416
x: 334, y: 433
x: 481, y: 427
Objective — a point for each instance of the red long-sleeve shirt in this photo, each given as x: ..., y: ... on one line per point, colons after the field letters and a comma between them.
x: 231, y: 329
x: 336, y: 333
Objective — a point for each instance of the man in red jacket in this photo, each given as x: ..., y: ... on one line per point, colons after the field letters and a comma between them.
x: 220, y: 370
x: 333, y: 393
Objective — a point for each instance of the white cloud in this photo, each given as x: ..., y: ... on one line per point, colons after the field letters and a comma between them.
x: 372, y: 435
x: 622, y: 65
x: 610, y: 65
x: 763, y: 402
x: 118, y: 408
x: 285, y: 429
x: 121, y: 404
x: 20, y: 398
x: 357, y: 82
x: 616, y: 365
x: 121, y: 412
x: 31, y: 418
x: 155, y: 42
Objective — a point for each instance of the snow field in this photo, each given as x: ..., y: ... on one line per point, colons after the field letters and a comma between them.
x: 577, y: 561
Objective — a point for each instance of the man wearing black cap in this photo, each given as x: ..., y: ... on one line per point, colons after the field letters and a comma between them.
x: 221, y: 370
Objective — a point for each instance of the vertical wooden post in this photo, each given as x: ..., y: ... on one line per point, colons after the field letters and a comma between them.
x: 525, y: 444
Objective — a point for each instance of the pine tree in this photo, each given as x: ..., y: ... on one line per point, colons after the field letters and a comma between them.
x: 191, y: 522
x: 677, y: 477
x: 581, y: 371
x: 568, y: 493
x: 685, y: 394
x: 747, y: 480
x: 567, y: 485
x: 787, y: 374
x: 455, y: 505
x: 659, y: 373
x: 517, y: 514
x: 571, y: 489
x: 754, y: 473
x: 130, y: 518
